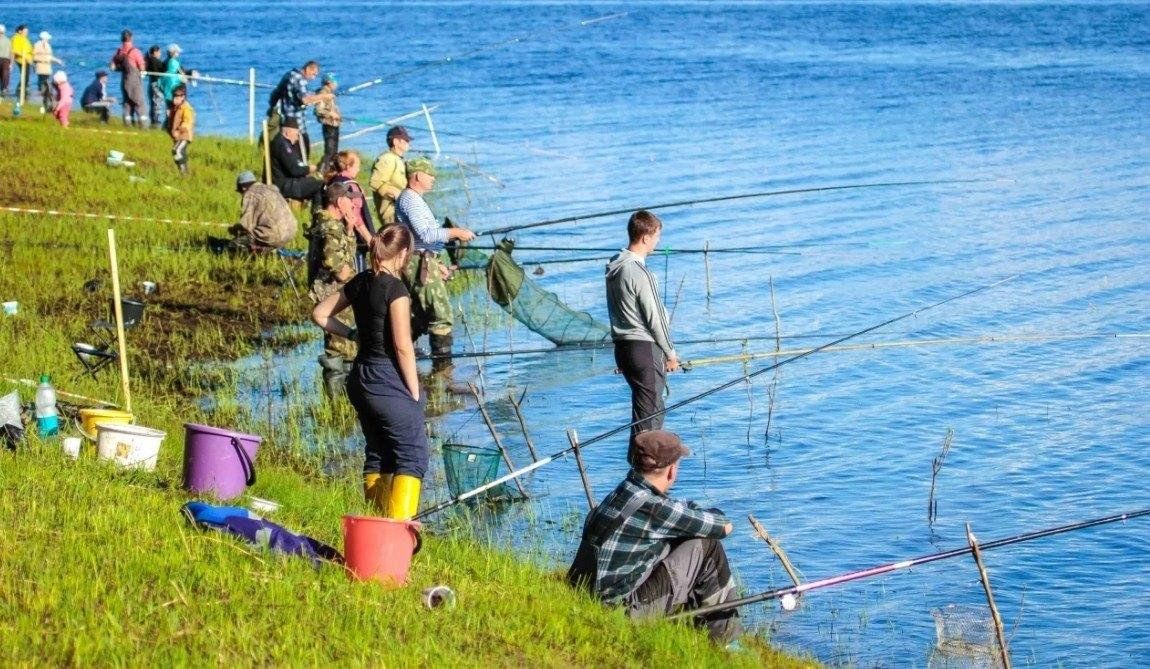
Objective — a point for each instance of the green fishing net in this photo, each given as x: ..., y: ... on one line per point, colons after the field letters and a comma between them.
x: 469, y: 467
x: 540, y: 310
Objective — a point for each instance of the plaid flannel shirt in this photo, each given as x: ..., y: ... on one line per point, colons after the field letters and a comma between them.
x: 632, y: 552
x: 288, y: 97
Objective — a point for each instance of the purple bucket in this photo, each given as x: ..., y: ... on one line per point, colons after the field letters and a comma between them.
x: 219, y: 462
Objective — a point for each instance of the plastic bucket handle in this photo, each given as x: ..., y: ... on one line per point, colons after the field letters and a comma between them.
x: 246, y: 462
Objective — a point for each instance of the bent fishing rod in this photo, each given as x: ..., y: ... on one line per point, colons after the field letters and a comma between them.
x: 492, y: 46
x: 707, y: 393
x: 727, y: 198
x: 796, y: 590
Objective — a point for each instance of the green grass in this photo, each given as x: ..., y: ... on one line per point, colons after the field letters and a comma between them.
x: 97, y: 565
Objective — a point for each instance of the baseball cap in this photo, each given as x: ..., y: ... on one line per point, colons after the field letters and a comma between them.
x: 656, y: 449
x: 330, y: 76
x: 244, y: 178
x: 174, y: 48
x: 335, y: 191
x: 421, y: 164
x: 45, y: 35
x: 290, y: 122
x: 101, y: 73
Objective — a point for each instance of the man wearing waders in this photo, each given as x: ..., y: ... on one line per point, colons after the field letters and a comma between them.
x: 129, y: 62
x: 655, y: 555
x: 640, y: 328
x: 428, y: 269
x: 331, y: 263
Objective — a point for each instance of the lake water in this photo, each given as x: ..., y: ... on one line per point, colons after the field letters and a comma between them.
x: 1046, y: 104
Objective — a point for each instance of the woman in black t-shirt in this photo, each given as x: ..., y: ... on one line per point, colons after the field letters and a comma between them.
x: 383, y: 385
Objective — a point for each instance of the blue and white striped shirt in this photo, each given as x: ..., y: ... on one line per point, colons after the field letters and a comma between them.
x: 411, y: 211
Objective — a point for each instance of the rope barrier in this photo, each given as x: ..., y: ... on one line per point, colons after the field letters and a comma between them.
x: 109, y: 217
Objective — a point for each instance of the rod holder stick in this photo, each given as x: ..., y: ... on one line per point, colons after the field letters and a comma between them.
x: 523, y: 424
x: 999, y: 632
x: 707, y: 267
x: 495, y: 435
x: 573, y: 437
x: 431, y: 127
x: 251, y: 105
x: 23, y: 81
x: 267, y: 154
x: 776, y: 549
x: 119, y: 310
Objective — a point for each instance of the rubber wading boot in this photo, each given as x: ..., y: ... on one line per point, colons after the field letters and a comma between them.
x: 441, y: 353
x: 335, y: 370
x: 377, y: 490
x: 404, y: 500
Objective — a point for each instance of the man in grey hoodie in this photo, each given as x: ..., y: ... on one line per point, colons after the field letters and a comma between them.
x: 640, y: 328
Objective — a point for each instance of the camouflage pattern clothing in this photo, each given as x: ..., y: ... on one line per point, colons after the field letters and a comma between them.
x: 266, y: 220
x: 331, y: 248
x: 430, y: 303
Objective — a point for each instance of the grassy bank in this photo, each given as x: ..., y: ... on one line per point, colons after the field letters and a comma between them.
x: 99, y: 568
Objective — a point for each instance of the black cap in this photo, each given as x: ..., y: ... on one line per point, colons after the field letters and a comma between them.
x: 290, y: 122
x: 398, y: 131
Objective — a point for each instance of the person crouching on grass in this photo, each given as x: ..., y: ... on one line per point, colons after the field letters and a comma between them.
x: 182, y: 124
x: 383, y: 385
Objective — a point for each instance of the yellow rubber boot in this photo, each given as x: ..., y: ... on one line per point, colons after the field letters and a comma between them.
x: 377, y: 489
x: 404, y: 500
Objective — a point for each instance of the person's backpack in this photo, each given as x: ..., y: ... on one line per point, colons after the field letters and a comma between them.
x: 584, y: 570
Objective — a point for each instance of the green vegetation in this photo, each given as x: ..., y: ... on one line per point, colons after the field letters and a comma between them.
x: 98, y: 566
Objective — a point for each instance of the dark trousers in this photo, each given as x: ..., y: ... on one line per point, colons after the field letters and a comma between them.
x: 44, y: 82
x: 5, y: 74
x: 643, y: 366
x: 101, y: 108
x: 158, y: 106
x: 392, y: 422
x: 330, y: 147
x: 693, y: 575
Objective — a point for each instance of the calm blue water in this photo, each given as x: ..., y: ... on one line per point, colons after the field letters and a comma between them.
x: 1048, y: 102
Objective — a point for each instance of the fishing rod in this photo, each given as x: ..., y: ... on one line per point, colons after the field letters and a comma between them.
x: 727, y: 198
x: 796, y: 590
x: 478, y: 50
x: 744, y: 357
x: 741, y: 379
x: 606, y: 343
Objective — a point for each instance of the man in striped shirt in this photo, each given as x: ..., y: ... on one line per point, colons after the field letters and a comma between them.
x: 657, y: 555
x: 640, y: 328
x: 428, y: 270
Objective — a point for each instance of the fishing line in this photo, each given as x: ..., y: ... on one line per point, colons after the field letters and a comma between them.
x: 707, y: 393
x: 797, y: 590
x: 480, y: 49
x: 728, y: 198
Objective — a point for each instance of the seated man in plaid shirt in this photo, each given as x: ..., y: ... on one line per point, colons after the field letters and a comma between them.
x: 657, y: 555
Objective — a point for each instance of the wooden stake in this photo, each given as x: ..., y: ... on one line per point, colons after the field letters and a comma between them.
x: 707, y: 266
x: 495, y: 435
x: 976, y: 553
x: 573, y: 437
x: 776, y: 549
x: 267, y: 155
x: 119, y: 310
x: 523, y: 424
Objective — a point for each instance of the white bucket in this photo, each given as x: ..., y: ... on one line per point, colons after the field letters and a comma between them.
x: 131, y: 446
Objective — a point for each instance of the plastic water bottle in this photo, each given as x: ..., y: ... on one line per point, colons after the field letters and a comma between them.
x: 47, y: 417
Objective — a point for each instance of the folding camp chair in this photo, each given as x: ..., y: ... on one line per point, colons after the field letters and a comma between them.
x: 95, y: 357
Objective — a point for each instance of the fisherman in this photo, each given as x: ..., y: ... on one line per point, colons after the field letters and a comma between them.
x: 22, y: 60
x: 155, y: 67
x: 5, y: 60
x: 291, y: 172
x: 428, y: 269
x: 389, y: 174
x: 289, y: 99
x: 640, y: 328
x: 174, y: 71
x: 266, y: 222
x: 130, y: 63
x: 652, y: 554
x: 44, y: 58
x: 331, y: 263
x: 329, y: 117
x: 95, y: 100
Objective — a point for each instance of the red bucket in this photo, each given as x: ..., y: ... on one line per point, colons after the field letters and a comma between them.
x: 379, y: 549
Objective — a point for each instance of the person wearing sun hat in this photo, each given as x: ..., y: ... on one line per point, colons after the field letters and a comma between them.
x: 43, y: 58
x: 329, y: 117
x: 428, y: 268
x: 652, y: 554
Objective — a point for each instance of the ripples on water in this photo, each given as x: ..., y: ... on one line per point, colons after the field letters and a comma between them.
x: 685, y: 100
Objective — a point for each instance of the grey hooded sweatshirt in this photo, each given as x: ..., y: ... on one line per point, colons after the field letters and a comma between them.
x: 637, y: 313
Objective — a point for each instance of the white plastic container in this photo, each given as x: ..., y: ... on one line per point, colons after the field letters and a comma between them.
x: 130, y: 446
x: 47, y: 416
